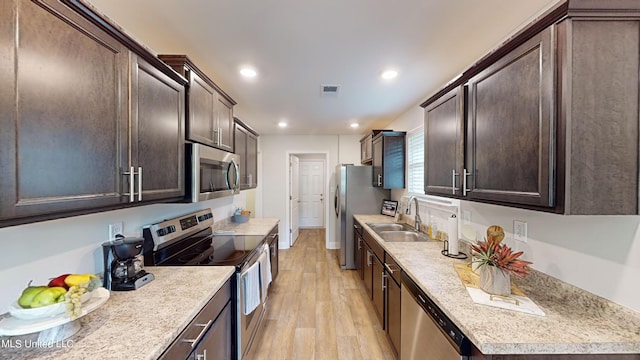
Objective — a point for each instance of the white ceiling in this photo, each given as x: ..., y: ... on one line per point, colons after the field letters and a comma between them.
x: 298, y: 45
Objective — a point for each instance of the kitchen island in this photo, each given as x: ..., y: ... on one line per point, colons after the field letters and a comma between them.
x: 575, y: 321
x: 137, y: 324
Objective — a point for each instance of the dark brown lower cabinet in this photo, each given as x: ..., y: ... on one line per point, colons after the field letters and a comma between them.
x: 368, y: 270
x: 358, y: 248
x: 378, y: 287
x: 392, y: 310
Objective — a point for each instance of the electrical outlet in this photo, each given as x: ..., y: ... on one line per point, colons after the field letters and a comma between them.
x: 466, y: 217
x: 115, y: 229
x: 520, y: 230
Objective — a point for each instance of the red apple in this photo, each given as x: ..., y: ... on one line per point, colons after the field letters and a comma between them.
x: 59, y: 281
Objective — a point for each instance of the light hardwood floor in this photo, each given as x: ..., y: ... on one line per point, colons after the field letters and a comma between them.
x: 318, y: 311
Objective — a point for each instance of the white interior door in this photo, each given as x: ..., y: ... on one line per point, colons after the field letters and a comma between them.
x: 312, y: 193
x: 294, y: 197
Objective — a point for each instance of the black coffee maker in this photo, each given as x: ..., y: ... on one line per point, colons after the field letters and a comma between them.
x: 123, y: 262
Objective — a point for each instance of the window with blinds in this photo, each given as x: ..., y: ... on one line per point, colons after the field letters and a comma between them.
x: 415, y: 161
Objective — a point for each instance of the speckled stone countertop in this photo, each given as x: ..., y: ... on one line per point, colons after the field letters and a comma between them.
x: 137, y: 324
x: 255, y: 226
x: 576, y: 321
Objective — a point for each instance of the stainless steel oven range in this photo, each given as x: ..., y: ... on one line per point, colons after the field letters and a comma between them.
x: 188, y: 240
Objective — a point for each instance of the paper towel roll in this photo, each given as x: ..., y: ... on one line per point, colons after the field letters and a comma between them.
x: 452, y: 231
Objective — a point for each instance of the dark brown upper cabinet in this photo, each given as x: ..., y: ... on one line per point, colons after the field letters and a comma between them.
x: 510, y: 124
x: 444, y: 143
x: 209, y: 108
x: 72, y: 126
x: 388, y: 160
x: 157, y: 139
x: 366, y: 147
x: 246, y: 144
x: 551, y: 117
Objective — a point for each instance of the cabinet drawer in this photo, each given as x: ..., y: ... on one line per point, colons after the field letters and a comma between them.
x: 373, y: 244
x: 392, y: 267
x: 182, y: 347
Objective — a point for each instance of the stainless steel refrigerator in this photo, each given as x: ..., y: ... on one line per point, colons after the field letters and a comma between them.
x: 354, y: 194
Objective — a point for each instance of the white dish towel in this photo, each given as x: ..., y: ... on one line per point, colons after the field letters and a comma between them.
x: 265, y: 271
x: 251, y: 288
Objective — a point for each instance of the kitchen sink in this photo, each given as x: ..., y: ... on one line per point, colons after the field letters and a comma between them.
x: 398, y: 232
x: 390, y: 227
x: 402, y: 236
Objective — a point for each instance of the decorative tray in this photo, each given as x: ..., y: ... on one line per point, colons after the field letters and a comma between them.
x: 12, y: 326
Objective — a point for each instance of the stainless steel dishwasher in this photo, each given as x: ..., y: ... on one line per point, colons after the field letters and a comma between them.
x: 427, y: 334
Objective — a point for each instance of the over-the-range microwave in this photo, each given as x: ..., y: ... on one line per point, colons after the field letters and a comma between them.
x: 211, y: 173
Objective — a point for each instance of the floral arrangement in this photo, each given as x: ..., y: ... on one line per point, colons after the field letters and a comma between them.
x: 492, y: 253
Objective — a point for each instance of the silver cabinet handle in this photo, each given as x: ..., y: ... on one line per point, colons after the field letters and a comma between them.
x: 139, y: 183
x: 273, y: 236
x: 132, y: 183
x: 384, y: 284
x: 379, y: 179
x: 359, y: 244
x: 215, y: 136
x: 131, y: 174
x: 454, y: 174
x: 390, y: 269
x: 204, y: 329
x: 203, y: 356
x: 421, y: 299
x: 464, y: 182
x: 369, y: 263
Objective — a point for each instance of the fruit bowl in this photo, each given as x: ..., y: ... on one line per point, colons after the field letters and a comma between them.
x: 42, y: 312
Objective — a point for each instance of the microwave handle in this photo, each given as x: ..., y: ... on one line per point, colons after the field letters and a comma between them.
x: 237, y: 177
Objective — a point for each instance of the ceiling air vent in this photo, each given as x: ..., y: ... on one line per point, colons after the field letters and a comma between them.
x: 329, y: 90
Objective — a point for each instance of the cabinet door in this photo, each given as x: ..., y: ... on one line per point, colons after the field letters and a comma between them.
x: 443, y: 144
x: 224, y: 111
x: 376, y: 156
x: 357, y: 251
x: 157, y: 141
x: 378, y: 287
x: 365, y: 149
x: 368, y: 269
x: 216, y: 344
x: 252, y: 160
x: 62, y: 111
x: 241, y: 150
x: 273, y: 245
x: 511, y: 130
x: 202, y: 114
x: 393, y: 313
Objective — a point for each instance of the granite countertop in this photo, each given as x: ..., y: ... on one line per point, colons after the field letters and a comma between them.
x: 137, y: 324
x: 575, y: 321
x: 255, y: 226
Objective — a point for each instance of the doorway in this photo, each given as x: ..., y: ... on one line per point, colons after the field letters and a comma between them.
x: 312, y: 180
x: 306, y: 192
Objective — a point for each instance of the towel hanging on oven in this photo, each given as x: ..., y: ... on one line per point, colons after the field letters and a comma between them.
x: 251, y: 288
x: 265, y: 271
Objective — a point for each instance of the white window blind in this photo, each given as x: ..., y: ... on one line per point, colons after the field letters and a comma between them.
x: 415, y: 161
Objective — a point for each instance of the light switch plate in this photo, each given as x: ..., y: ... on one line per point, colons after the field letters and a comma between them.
x: 520, y: 230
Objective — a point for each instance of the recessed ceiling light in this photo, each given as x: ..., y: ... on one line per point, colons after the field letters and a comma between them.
x: 248, y: 72
x: 354, y: 125
x: 389, y: 74
x: 282, y: 124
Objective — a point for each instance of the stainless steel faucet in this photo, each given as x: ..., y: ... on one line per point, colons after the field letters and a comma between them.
x: 417, y: 220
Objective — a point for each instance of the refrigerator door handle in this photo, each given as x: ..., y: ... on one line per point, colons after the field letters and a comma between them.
x: 335, y: 200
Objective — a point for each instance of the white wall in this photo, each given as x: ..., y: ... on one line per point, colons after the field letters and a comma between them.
x: 73, y: 245
x: 275, y: 150
x: 600, y: 254
x: 349, y: 149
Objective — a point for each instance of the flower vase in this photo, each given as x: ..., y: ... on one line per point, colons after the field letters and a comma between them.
x: 494, y: 280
